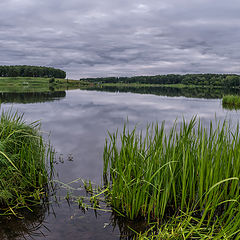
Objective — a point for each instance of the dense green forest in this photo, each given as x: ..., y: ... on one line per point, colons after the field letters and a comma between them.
x: 222, y: 80
x: 31, y: 71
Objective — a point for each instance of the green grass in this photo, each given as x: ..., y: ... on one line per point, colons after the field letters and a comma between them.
x: 25, y: 163
x: 185, y: 180
x: 231, y: 101
x: 35, y: 84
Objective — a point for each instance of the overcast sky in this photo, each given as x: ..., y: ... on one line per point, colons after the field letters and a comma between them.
x: 90, y: 38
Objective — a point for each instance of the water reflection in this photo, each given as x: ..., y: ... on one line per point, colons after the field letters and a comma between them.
x: 193, y: 92
x: 28, y: 223
x: 30, y: 97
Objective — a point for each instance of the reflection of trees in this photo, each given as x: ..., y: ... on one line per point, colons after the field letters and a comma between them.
x: 198, y: 92
x: 26, y: 224
x: 31, y: 97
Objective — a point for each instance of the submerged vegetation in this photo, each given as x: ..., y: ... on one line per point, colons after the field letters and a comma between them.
x: 185, y: 180
x: 25, y: 162
x: 231, y: 101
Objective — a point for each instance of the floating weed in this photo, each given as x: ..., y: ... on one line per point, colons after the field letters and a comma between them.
x: 87, y: 196
x: 80, y: 201
x: 68, y: 197
x: 88, y: 186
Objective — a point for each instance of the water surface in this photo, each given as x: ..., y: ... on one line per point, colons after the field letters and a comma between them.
x: 78, y: 122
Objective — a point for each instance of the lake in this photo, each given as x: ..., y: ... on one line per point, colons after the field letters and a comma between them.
x: 78, y: 122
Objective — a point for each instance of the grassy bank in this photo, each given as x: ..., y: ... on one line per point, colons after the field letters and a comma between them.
x: 186, y: 180
x: 35, y: 84
x: 25, y: 162
x: 231, y: 101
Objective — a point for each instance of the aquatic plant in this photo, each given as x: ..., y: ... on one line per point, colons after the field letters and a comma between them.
x: 231, y: 101
x: 25, y: 163
x: 186, y: 180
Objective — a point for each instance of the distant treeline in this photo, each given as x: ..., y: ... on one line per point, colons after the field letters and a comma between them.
x: 31, y: 71
x: 225, y: 80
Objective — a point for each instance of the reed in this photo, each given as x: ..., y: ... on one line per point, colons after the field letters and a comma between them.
x: 231, y: 101
x: 25, y: 163
x: 186, y: 179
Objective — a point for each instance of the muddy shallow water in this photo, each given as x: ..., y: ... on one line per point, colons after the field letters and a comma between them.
x: 78, y: 122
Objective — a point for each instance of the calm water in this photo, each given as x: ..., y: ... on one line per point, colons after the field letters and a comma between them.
x: 78, y: 122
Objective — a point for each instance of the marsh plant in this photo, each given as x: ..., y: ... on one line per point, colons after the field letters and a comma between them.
x: 185, y: 180
x: 231, y: 101
x: 25, y: 163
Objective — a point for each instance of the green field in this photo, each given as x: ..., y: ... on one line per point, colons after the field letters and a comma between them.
x: 32, y: 84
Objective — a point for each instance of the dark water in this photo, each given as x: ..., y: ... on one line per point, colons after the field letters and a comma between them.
x: 78, y: 122
x: 30, y: 97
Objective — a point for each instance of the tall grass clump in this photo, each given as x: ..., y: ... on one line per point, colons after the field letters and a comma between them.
x: 24, y: 162
x: 231, y: 101
x: 185, y: 179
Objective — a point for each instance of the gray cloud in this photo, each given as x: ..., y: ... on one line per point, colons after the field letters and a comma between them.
x: 103, y: 38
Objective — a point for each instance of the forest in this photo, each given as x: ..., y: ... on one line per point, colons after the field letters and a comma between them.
x: 222, y: 80
x: 31, y: 71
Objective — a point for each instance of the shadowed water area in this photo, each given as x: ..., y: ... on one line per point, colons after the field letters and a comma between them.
x: 78, y: 122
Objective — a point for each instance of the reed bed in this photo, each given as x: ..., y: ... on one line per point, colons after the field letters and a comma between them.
x: 25, y: 163
x: 185, y: 179
x: 231, y: 101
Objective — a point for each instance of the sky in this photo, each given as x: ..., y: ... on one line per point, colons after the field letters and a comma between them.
x: 93, y: 38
